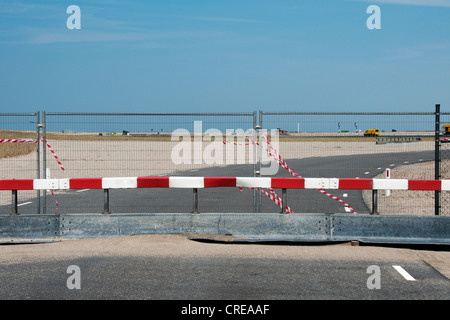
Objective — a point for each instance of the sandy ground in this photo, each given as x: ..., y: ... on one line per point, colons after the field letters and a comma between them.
x: 182, y: 246
x: 94, y: 159
x: 87, y: 159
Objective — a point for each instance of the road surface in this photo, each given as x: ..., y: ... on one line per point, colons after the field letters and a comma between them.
x: 176, y: 267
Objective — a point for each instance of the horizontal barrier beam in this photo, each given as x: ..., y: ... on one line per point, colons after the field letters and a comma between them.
x: 305, y: 227
x: 217, y: 182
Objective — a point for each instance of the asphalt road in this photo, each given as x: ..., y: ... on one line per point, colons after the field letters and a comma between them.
x: 168, y: 267
x: 198, y: 273
x: 162, y: 278
x: 232, y: 199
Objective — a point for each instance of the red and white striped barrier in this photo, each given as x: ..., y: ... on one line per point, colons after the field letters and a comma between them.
x: 277, y: 157
x: 218, y: 182
x: 16, y: 140
x: 53, y: 153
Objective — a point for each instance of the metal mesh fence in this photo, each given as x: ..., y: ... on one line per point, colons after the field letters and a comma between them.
x: 444, y: 163
x: 93, y: 145
x: 97, y: 145
x: 19, y: 157
x: 335, y: 145
x: 130, y: 145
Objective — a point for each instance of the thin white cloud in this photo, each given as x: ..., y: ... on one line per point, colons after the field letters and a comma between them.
x: 80, y: 36
x: 225, y: 19
x: 418, y: 51
x: 427, y: 3
x: 153, y: 38
x: 20, y: 8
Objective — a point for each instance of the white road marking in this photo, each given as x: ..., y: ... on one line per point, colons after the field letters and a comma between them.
x: 25, y: 203
x: 405, y: 274
x: 367, y: 172
x: 82, y: 190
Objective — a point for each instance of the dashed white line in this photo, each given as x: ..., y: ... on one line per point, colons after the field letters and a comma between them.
x: 82, y: 190
x: 405, y: 274
x: 25, y: 203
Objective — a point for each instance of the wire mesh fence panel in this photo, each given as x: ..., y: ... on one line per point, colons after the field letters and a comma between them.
x: 93, y: 145
x: 136, y: 145
x: 19, y: 158
x: 342, y: 145
x: 444, y: 162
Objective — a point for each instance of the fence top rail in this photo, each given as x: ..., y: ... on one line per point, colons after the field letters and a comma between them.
x: 217, y: 113
x: 147, y: 114
x: 217, y: 182
x: 355, y: 113
x: 16, y: 114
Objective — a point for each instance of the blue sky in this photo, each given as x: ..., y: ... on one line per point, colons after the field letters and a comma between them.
x: 224, y: 56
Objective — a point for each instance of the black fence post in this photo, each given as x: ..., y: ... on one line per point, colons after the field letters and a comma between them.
x: 437, y: 158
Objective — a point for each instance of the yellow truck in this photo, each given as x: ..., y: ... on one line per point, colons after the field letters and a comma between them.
x: 372, y: 133
x: 446, y: 129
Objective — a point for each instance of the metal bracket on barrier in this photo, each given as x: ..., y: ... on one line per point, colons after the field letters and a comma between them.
x: 195, y: 205
x: 14, y: 203
x: 46, y: 184
x: 284, y: 199
x: 334, y: 183
x: 106, y: 202
x: 322, y: 183
x: 64, y: 184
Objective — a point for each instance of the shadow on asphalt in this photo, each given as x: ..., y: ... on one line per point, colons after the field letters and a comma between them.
x: 231, y: 240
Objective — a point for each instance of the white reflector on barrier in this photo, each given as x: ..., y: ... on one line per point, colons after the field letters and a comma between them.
x: 254, y: 182
x: 445, y: 185
x: 119, y: 183
x: 64, y: 184
x: 45, y: 184
x: 186, y: 182
x: 321, y: 183
x: 390, y: 184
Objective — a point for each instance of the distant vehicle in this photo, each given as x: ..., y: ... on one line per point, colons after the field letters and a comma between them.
x: 372, y: 133
x: 446, y: 128
x: 281, y: 131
